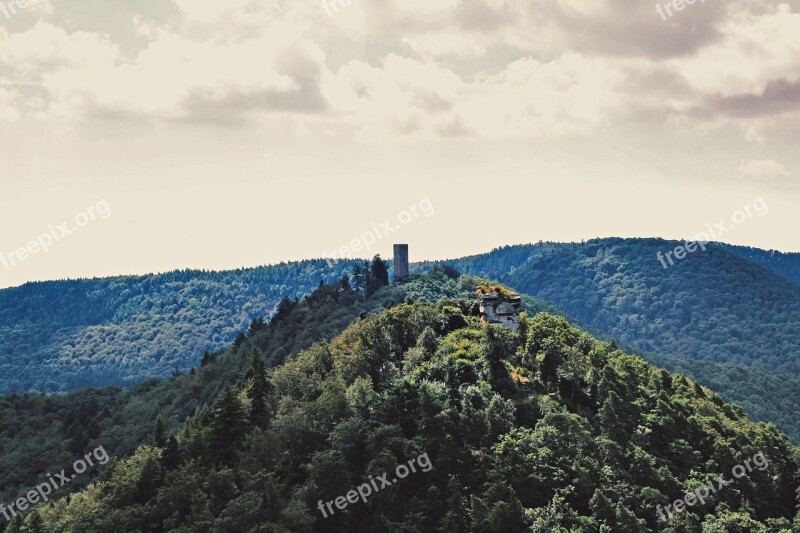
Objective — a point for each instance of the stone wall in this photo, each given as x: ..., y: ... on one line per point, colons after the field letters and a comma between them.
x: 501, y: 310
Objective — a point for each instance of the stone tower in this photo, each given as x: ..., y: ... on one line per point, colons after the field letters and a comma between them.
x: 400, y: 262
x: 502, y: 309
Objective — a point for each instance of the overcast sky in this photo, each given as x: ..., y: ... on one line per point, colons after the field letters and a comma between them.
x: 220, y: 134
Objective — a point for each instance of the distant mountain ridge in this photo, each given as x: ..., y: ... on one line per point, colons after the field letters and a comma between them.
x: 735, y: 310
x: 782, y: 263
x: 65, y: 335
x: 718, y: 305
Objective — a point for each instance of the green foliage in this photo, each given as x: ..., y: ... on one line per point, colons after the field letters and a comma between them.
x: 65, y: 335
x: 726, y: 316
x: 41, y: 434
x: 590, y: 440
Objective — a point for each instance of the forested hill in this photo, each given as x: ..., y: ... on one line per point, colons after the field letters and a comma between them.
x: 713, y: 305
x: 543, y: 430
x: 785, y: 264
x: 503, y: 260
x: 723, y: 316
x: 65, y: 335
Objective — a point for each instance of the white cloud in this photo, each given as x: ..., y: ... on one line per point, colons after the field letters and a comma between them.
x: 490, y: 69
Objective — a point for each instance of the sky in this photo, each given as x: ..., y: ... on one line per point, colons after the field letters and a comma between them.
x: 142, y: 136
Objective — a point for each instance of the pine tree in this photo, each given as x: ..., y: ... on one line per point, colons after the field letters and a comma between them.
x: 368, y: 283
x: 358, y: 279
x: 256, y: 325
x: 259, y: 392
x: 159, y: 433
x: 239, y: 340
x: 228, y: 428
x: 149, y: 481
x: 283, y: 309
x: 171, y: 455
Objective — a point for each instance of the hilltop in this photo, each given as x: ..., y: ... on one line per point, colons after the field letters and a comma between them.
x: 727, y: 316
x: 547, y: 429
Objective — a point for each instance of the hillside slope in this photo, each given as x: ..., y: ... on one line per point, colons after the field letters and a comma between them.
x: 712, y: 305
x: 729, y: 322
x: 545, y: 430
x: 41, y: 433
x: 65, y: 335
x: 784, y: 264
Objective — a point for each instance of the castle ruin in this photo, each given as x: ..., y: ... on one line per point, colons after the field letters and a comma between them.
x: 501, y: 309
x: 400, y: 262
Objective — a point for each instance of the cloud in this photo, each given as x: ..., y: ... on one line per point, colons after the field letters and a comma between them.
x: 421, y: 69
x: 762, y: 169
x: 778, y: 97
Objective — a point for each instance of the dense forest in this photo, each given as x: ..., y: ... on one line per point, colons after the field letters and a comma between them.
x: 547, y: 429
x: 40, y: 432
x: 723, y: 317
x: 713, y: 305
x: 726, y: 317
x: 66, y: 335
x: 785, y: 264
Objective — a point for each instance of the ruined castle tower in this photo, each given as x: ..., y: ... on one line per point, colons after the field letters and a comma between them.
x: 500, y: 309
x: 400, y: 262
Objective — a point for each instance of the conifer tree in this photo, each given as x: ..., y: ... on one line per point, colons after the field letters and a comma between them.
x: 159, y: 433
x: 228, y: 427
x: 358, y: 279
x: 259, y: 392
x: 379, y: 274
x: 171, y: 456
x: 149, y: 480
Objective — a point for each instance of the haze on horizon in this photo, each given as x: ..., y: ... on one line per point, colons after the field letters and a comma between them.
x: 247, y: 132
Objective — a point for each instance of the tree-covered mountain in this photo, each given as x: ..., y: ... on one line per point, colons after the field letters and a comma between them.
x: 40, y: 432
x: 727, y: 316
x: 712, y: 305
x: 542, y: 430
x: 725, y: 306
x: 503, y: 260
x: 785, y: 264
x: 65, y: 335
